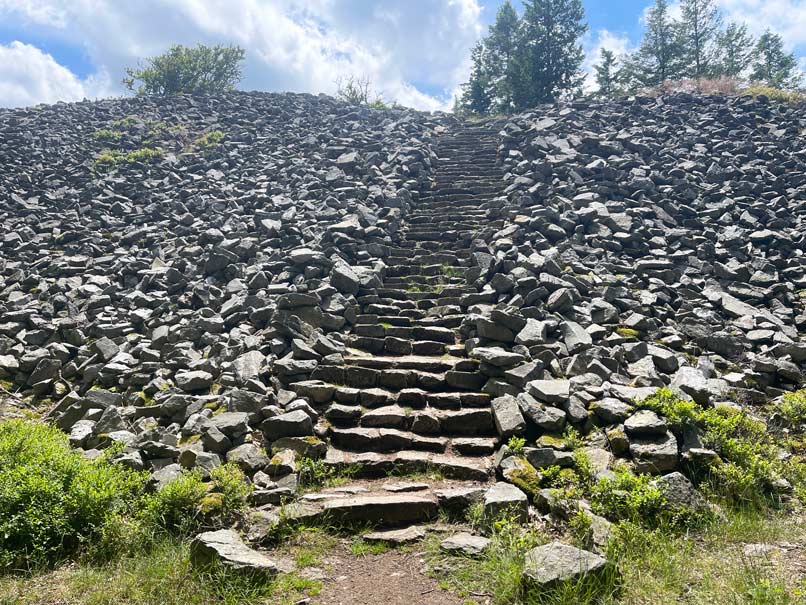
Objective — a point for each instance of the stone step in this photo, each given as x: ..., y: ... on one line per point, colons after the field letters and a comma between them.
x: 463, y: 376
x: 371, y: 464
x: 384, y: 440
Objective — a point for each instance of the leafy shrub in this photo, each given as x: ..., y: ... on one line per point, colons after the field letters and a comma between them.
x: 793, y: 408
x: 108, y: 158
x: 146, y: 155
x: 516, y: 445
x: 629, y: 497
x: 175, y: 507
x: 752, y: 460
x: 107, y: 135
x: 774, y: 94
x: 52, y: 500
x: 187, y: 503
x: 209, y: 139
x: 229, y: 480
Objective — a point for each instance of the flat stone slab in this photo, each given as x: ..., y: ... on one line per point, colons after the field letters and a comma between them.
x: 465, y: 544
x: 388, y: 510
x: 396, y: 536
x: 557, y: 562
x: 226, y: 548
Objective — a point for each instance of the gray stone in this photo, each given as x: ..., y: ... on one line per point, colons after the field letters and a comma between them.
x: 554, y: 563
x: 465, y: 544
x: 507, y: 416
x: 225, y: 547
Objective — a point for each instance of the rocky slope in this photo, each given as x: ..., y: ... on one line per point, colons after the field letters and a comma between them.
x: 264, y: 278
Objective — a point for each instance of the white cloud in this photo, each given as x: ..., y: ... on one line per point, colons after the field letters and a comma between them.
x: 29, y: 76
x: 593, y: 45
x: 414, y: 51
x: 786, y: 17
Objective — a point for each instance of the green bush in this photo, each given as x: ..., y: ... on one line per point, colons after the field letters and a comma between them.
x: 793, y: 408
x: 774, y: 94
x: 52, y: 500
x: 175, y: 507
x: 188, y: 503
x: 210, y: 139
x: 628, y: 497
x: 753, y: 459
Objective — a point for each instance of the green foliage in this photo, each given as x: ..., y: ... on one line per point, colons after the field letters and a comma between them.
x: 230, y: 481
x: 789, y: 97
x: 628, y: 497
x: 700, y: 25
x: 659, y: 57
x: 516, y: 445
x: 146, y: 155
x: 572, y: 439
x: 111, y: 136
x: 315, y: 474
x: 187, y: 503
x: 734, y: 47
x: 108, y: 159
x: 175, y: 507
x: 53, y: 501
x: 209, y: 139
x: 772, y: 65
x: 609, y: 75
x: 665, y: 402
x: 498, y: 572
x: 627, y: 332
x: 793, y: 408
x: 162, y: 573
x: 526, y: 478
x: 528, y: 60
x: 751, y: 456
x: 181, y: 70
x: 361, y: 548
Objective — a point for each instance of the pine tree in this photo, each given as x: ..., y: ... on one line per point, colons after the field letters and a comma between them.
x: 501, y: 47
x: 476, y: 97
x: 549, y: 56
x: 659, y: 57
x: 734, y: 51
x: 772, y: 65
x: 700, y: 24
x: 608, y: 75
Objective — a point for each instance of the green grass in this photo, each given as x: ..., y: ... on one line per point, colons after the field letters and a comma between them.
x: 656, y: 566
x: 315, y: 474
x: 360, y: 548
x: 162, y: 574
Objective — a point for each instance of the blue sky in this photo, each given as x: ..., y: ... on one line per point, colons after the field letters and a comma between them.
x: 414, y: 51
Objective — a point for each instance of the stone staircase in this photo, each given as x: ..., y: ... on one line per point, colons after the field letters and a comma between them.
x: 406, y: 398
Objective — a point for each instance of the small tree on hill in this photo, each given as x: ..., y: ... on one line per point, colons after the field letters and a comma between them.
x: 772, y: 65
x: 659, y: 57
x: 476, y: 97
x: 700, y: 24
x: 734, y: 51
x: 200, y: 70
x: 549, y: 57
x: 608, y: 75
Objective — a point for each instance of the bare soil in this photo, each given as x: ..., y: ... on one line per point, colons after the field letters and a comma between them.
x: 393, y: 578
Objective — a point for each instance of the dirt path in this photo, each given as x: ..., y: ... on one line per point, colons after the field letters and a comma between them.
x: 391, y: 578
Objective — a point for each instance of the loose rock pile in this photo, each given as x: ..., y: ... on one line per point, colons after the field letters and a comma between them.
x: 396, y: 292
